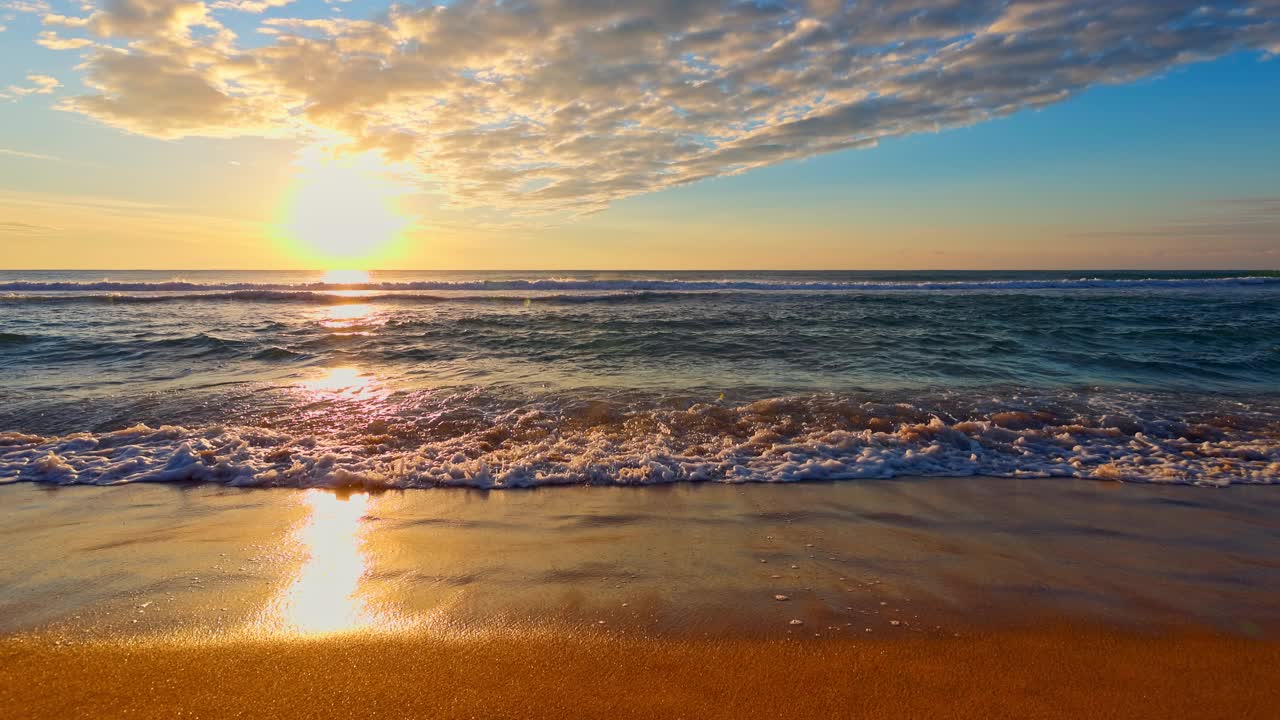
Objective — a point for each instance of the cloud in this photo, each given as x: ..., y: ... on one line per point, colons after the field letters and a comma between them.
x: 29, y: 155
x: 148, y: 18
x: 249, y: 6
x: 34, y: 7
x: 22, y: 228
x: 24, y: 155
x: 161, y: 96
x: 64, y: 20
x: 568, y: 105
x: 40, y: 85
x: 51, y: 40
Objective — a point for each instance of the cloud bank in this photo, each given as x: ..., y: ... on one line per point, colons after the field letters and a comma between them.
x: 568, y: 105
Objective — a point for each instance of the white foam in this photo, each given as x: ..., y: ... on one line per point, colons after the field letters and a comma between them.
x: 538, y: 449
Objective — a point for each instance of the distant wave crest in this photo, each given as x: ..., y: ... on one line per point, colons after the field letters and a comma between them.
x: 325, y: 293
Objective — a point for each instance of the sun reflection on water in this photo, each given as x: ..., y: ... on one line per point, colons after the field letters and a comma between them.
x: 325, y: 597
x: 346, y: 316
x: 345, y: 382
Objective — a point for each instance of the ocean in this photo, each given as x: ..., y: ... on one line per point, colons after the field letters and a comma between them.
x: 524, y: 379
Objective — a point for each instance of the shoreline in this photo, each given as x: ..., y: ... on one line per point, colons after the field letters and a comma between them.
x: 357, y: 488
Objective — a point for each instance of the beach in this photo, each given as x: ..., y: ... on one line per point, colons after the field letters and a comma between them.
x: 639, y: 494
x: 1064, y: 672
x: 749, y: 359
x: 920, y: 597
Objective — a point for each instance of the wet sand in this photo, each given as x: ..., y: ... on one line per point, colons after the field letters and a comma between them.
x: 1048, y: 673
x: 919, y: 598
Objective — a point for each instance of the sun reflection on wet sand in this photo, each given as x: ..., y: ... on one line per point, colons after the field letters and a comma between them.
x: 325, y: 596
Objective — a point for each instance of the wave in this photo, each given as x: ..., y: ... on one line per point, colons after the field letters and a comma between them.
x: 255, y: 291
x: 549, y: 291
x: 334, y: 298
x: 781, y: 439
x: 278, y: 353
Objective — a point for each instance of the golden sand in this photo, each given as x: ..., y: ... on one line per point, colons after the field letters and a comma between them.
x: 1044, y: 673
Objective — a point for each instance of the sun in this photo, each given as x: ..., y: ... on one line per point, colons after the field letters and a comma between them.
x: 343, y: 211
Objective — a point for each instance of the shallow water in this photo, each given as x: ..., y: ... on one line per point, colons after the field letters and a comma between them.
x: 523, y: 379
x: 908, y: 556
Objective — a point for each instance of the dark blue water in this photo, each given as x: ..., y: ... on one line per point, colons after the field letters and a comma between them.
x: 502, y: 379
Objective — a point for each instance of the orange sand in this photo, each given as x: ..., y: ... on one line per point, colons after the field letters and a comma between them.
x: 1044, y: 673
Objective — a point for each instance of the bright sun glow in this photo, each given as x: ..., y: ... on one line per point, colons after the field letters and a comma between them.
x: 345, y: 277
x: 344, y: 210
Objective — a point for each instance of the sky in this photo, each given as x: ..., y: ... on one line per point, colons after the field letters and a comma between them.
x: 671, y: 134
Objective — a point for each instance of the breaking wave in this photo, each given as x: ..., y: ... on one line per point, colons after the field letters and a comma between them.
x: 496, y: 380
x: 781, y: 439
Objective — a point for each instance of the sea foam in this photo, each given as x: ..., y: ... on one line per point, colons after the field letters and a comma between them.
x: 775, y: 440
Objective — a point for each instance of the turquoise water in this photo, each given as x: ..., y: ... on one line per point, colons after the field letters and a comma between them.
x: 522, y: 378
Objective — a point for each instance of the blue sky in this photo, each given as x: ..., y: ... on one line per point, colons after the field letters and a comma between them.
x: 1195, y: 134
x: 1156, y: 162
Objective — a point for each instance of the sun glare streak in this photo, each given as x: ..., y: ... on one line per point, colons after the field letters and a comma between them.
x: 324, y: 597
x: 344, y: 211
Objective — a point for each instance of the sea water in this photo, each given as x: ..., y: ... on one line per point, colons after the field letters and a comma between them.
x: 518, y: 379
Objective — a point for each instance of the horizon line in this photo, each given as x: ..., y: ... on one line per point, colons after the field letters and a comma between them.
x: 606, y: 270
